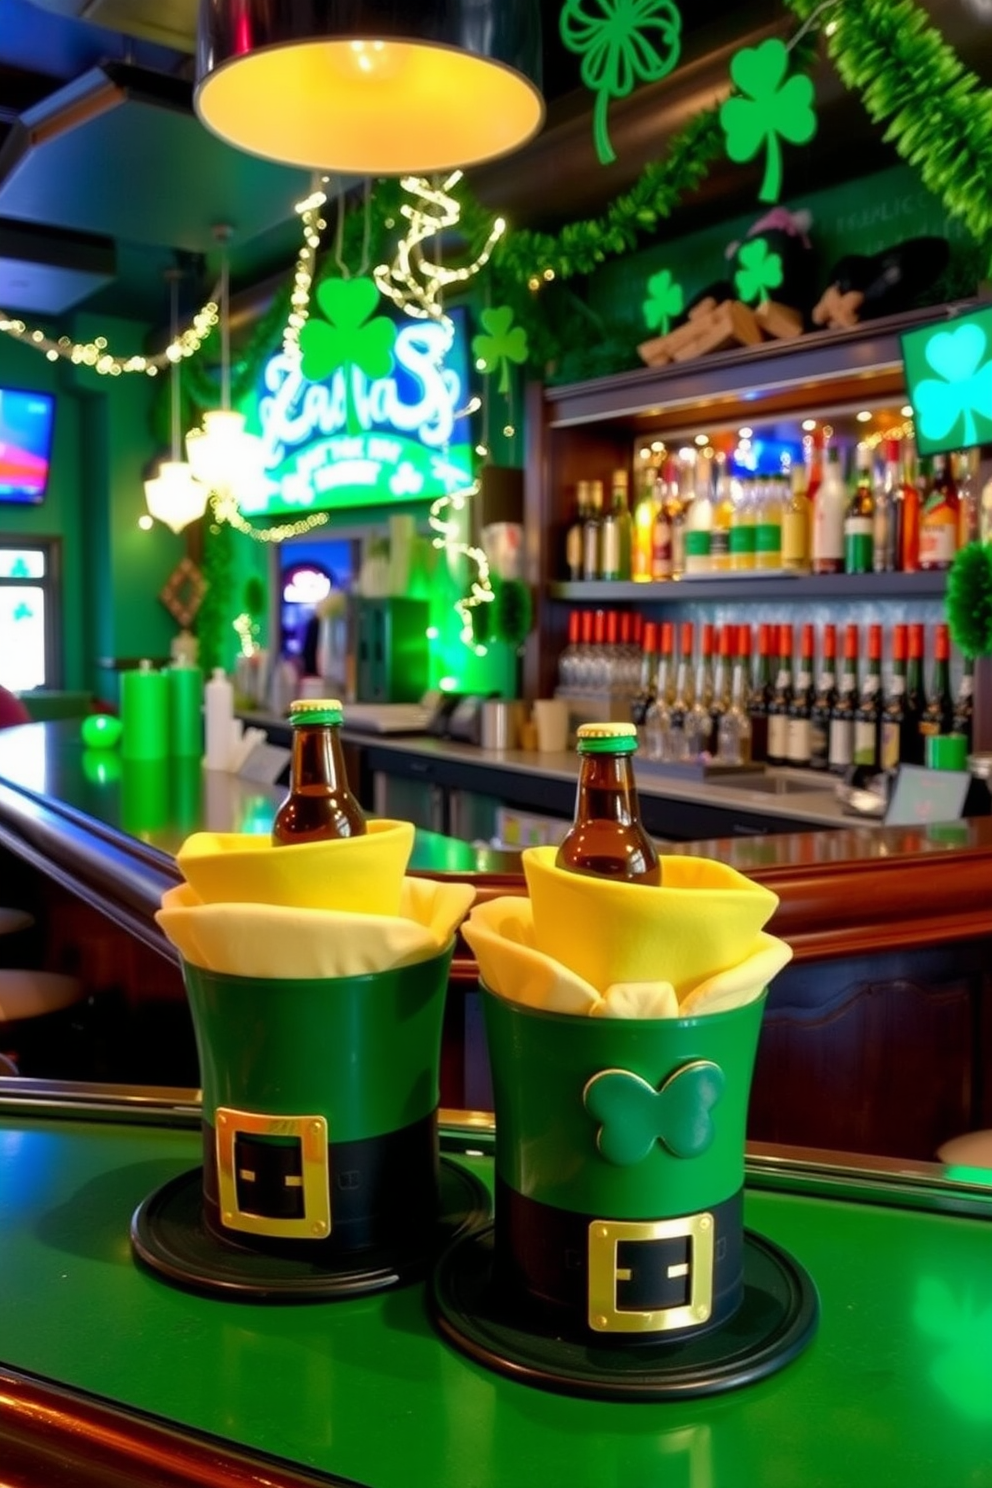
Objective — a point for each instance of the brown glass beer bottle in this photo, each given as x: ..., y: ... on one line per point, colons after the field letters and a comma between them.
x: 606, y: 839
x: 319, y: 804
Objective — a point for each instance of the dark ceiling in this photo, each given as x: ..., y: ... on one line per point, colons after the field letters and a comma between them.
x: 106, y: 175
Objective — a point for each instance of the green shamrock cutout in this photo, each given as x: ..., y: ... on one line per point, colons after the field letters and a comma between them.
x: 772, y: 106
x: 347, y: 337
x: 621, y: 43
x: 665, y: 300
x: 633, y: 1116
x: 760, y: 270
x: 965, y: 389
x: 504, y: 344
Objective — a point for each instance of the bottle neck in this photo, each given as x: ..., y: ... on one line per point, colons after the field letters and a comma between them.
x: 318, y: 759
x: 607, y: 791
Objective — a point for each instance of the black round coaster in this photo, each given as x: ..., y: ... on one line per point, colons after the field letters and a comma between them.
x: 773, y: 1324
x: 168, y: 1234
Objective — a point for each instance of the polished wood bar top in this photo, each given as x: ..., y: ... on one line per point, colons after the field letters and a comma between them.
x: 109, y: 829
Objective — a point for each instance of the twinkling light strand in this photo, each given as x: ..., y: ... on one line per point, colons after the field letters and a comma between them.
x: 447, y: 538
x: 415, y: 285
x: 306, y: 262
x: 95, y: 353
x: 225, y: 509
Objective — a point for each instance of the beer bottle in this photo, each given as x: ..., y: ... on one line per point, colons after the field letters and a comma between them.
x: 319, y: 804
x: 606, y: 839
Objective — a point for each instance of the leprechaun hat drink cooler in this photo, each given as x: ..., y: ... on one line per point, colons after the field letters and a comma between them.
x: 618, y: 1264
x: 321, y: 1173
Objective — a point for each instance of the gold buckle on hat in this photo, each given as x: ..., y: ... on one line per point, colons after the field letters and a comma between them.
x: 604, y: 1237
x: 310, y: 1132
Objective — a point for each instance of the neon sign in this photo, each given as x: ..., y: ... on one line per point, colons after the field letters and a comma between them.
x: 396, y: 439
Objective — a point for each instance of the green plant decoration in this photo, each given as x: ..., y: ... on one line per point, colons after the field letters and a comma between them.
x: 665, y: 300
x: 760, y: 271
x: 633, y: 1116
x: 947, y: 405
x: 969, y: 599
x: 504, y: 343
x: 514, y: 611
x: 349, y: 336
x: 772, y: 106
x: 621, y: 43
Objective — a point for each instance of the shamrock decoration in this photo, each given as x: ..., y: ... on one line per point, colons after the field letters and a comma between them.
x: 504, y: 344
x: 963, y: 1330
x: 771, y: 106
x: 665, y: 299
x: 964, y: 391
x: 621, y: 42
x: 347, y: 337
x: 760, y: 270
x: 633, y: 1115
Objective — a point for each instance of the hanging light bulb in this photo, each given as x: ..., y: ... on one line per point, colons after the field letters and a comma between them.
x: 174, y: 496
x: 223, y: 455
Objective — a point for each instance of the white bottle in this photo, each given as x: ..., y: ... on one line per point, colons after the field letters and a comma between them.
x: 829, y: 509
x: 218, y: 720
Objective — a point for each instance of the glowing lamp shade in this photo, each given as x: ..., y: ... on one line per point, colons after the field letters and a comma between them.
x: 175, y: 497
x: 221, y: 454
x: 371, y: 87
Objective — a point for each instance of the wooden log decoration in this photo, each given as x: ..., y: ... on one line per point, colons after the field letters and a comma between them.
x: 837, y: 311
x: 713, y: 326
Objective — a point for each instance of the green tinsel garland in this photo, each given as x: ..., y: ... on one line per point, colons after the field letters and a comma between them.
x: 939, y: 114
x: 969, y: 599
x: 217, y: 607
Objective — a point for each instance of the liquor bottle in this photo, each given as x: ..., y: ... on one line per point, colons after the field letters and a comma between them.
x: 841, y: 747
x: 893, y: 726
x: 723, y: 510
x: 591, y: 553
x: 661, y: 535
x: 799, y: 744
x: 939, y: 517
x: 906, y: 534
x: 911, y: 748
x: 647, y: 682
x: 829, y: 508
x: 616, y: 533
x: 665, y: 682
x: 813, y: 444
x: 570, y: 659
x: 797, y: 523
x: 883, y: 541
x: 725, y: 647
x: 701, y: 724
x: 743, y: 529
x: 677, y: 503
x: 734, y: 730
x: 968, y: 498
x: 964, y: 703
x: 859, y: 518
x: 768, y: 523
x: 606, y: 838
x: 823, y: 703
x: 699, y: 522
x: 681, y: 706
x: 937, y: 716
x: 868, y: 713
x: 319, y: 804
x: 781, y: 700
x: 645, y: 509
x: 573, y: 537
x: 761, y: 693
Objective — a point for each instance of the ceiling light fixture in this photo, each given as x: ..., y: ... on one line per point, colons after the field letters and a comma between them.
x: 175, y: 497
x: 222, y: 454
x: 371, y: 87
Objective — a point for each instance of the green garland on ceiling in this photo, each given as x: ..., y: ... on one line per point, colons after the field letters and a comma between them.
x: 939, y: 114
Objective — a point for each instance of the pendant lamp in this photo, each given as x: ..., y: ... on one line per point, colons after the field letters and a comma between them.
x: 371, y: 87
x: 175, y: 497
x: 223, y: 455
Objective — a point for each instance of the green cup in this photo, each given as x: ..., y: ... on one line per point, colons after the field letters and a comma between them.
x: 947, y: 752
x: 320, y: 1109
x: 620, y: 1167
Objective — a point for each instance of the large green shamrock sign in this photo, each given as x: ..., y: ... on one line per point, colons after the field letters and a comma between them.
x: 953, y: 409
x: 504, y: 343
x: 760, y: 271
x: 768, y: 106
x: 621, y: 43
x: 665, y: 300
x: 633, y: 1116
x: 349, y: 336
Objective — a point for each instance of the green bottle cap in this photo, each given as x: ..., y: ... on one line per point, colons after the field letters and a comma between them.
x: 606, y: 738
x: 315, y: 710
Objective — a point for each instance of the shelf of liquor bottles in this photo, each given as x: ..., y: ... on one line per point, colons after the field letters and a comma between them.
x: 756, y: 586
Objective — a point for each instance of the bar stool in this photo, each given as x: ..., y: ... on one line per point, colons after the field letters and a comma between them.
x: 970, y: 1150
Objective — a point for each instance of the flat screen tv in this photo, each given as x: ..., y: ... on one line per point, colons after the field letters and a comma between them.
x: 26, y: 421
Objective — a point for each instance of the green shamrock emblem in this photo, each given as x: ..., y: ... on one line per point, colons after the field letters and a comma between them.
x: 664, y: 301
x: 621, y: 43
x: 633, y: 1116
x: 965, y: 388
x: 504, y: 344
x: 760, y: 271
x: 347, y: 337
x: 22, y: 611
x: 772, y: 106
